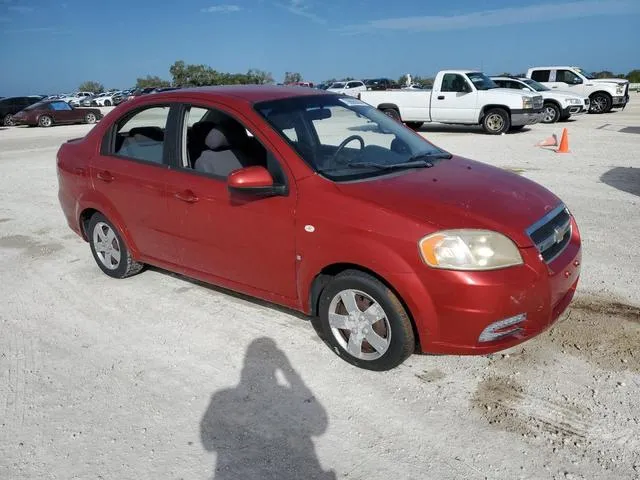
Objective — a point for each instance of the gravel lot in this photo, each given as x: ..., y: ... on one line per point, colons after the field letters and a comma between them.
x: 158, y: 377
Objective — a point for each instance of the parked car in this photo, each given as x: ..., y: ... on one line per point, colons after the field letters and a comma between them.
x: 11, y: 105
x: 414, y: 86
x: 604, y: 93
x: 380, y: 84
x: 461, y: 97
x: 55, y: 112
x: 557, y: 105
x: 389, y: 241
x: 352, y: 87
x: 75, y: 98
x: 140, y: 91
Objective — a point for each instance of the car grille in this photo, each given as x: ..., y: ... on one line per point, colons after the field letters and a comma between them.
x: 537, y: 102
x: 552, y: 233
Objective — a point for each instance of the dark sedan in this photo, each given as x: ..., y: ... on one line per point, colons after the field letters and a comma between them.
x: 55, y: 112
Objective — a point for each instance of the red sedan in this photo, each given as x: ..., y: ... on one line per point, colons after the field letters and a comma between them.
x: 321, y: 203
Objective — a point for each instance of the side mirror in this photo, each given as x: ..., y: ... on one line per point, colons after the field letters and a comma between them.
x: 254, y: 181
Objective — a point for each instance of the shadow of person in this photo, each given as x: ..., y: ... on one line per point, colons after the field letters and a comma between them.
x: 262, y: 428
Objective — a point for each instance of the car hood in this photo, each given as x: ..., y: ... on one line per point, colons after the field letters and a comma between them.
x: 620, y: 81
x: 460, y: 193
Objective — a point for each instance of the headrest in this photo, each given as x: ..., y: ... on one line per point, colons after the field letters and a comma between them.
x: 216, y: 140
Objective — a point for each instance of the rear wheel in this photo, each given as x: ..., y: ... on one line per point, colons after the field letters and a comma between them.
x: 364, y: 322
x: 414, y: 125
x: 45, y: 121
x: 392, y: 113
x: 90, y: 118
x: 109, y: 250
x: 496, y: 121
x: 107, y: 103
x: 8, y: 120
x: 551, y: 113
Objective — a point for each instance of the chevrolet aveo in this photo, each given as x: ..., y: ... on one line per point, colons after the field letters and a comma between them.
x: 321, y: 203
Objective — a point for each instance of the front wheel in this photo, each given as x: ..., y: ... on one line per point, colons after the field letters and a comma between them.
x: 107, y: 103
x: 600, y: 103
x: 496, y: 121
x: 8, y: 120
x: 364, y: 322
x: 551, y: 113
x: 90, y: 118
x: 109, y: 250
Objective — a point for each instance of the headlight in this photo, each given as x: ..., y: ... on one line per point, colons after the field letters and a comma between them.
x: 527, y: 102
x: 574, y: 101
x: 619, y: 89
x: 469, y: 250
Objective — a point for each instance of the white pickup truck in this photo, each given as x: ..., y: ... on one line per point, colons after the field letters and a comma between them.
x: 604, y: 93
x: 463, y: 97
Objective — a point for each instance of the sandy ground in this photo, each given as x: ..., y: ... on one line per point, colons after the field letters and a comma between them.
x: 160, y: 377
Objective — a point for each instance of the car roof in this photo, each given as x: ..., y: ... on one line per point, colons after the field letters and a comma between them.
x: 248, y: 93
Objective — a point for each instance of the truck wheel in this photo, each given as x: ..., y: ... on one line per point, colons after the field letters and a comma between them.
x: 551, y: 113
x: 393, y: 113
x: 496, y: 121
x: 600, y: 103
x: 414, y: 125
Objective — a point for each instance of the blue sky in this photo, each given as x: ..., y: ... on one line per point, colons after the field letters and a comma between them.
x: 48, y: 46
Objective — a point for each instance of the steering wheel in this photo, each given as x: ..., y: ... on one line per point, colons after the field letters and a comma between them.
x: 343, y: 144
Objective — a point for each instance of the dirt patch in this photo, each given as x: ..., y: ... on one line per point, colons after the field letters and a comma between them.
x: 2, y: 220
x: 507, y: 405
x: 430, y: 376
x: 604, y: 333
x: 29, y: 245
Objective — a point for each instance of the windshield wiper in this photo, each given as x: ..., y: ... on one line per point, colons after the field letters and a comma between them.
x: 434, y: 155
x: 391, y: 166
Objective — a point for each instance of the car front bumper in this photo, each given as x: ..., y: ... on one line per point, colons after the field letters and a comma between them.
x: 620, y: 101
x: 526, y: 118
x: 575, y: 110
x: 453, y: 310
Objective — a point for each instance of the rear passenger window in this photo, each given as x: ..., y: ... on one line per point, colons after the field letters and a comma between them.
x: 141, y: 137
x: 540, y: 75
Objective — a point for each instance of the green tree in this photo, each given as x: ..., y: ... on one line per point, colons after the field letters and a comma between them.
x: 91, y: 86
x: 633, y: 76
x: 151, y: 81
x: 259, y: 77
x: 292, y: 77
x: 604, y: 74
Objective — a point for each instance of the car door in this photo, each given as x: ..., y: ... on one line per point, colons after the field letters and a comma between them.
x: 566, y: 80
x: 454, y: 100
x: 130, y: 175
x: 247, y: 240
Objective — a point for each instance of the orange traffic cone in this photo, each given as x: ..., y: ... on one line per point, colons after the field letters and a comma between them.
x: 564, y: 142
x: 552, y: 141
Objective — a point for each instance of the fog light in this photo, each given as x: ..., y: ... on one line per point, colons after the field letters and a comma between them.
x: 502, y: 328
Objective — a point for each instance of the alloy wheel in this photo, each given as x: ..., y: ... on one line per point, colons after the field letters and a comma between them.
x: 107, y: 246
x: 495, y: 122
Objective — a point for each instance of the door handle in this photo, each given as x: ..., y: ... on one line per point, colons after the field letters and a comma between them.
x: 105, y: 176
x: 440, y: 97
x: 186, y: 196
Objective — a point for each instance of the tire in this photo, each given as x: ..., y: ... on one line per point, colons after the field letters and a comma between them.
x: 8, y: 120
x: 109, y: 250
x: 392, y: 113
x: 414, y: 125
x: 90, y: 118
x: 551, y: 113
x: 107, y: 103
x: 600, y: 103
x: 392, y: 332
x: 496, y: 121
x: 45, y: 121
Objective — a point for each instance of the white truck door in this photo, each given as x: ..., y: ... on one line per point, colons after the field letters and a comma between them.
x: 454, y: 100
x: 567, y: 81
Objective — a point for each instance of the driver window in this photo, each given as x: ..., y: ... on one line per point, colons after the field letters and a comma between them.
x: 567, y: 76
x: 453, y: 82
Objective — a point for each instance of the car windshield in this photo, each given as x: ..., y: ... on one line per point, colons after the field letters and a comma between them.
x: 343, y: 138
x: 481, y: 81
x: 538, y: 87
x: 337, y: 85
x: 588, y: 76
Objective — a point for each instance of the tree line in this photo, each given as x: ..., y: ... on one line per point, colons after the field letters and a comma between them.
x: 194, y: 75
